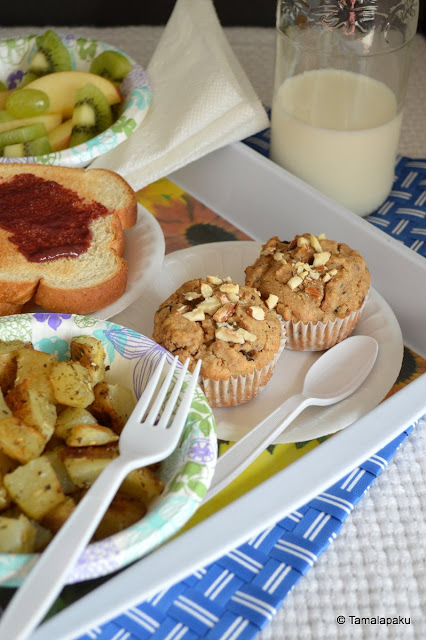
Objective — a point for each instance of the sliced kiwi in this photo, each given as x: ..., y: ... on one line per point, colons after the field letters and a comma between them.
x: 51, y: 55
x: 22, y: 134
x: 111, y: 65
x: 91, y: 115
x: 37, y: 147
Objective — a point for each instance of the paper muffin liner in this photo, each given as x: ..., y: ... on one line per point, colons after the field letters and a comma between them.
x: 239, y: 389
x: 309, y: 336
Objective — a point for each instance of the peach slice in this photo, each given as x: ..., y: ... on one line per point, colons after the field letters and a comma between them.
x: 61, y: 86
x: 59, y: 137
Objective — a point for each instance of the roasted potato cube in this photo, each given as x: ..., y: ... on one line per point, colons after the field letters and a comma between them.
x: 6, y: 466
x: 71, y: 384
x: 55, y: 518
x: 33, y: 408
x: 20, y: 441
x: 122, y: 513
x: 43, y: 536
x: 35, y: 487
x: 8, y: 364
x: 90, y: 435
x: 112, y: 405
x: 69, y: 418
x: 142, y: 484
x: 55, y: 460
x: 17, y: 535
x: 86, y: 463
x: 89, y: 352
x: 33, y: 363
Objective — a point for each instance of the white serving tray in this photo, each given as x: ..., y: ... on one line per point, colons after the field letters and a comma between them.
x: 264, y: 200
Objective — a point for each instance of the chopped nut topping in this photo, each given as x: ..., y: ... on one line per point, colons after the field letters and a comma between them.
x: 183, y: 308
x: 304, y: 274
x: 322, y: 236
x: 315, y: 243
x: 315, y: 275
x: 302, y: 241
x: 256, y: 312
x: 228, y: 335
x: 191, y: 295
x: 326, y: 278
x: 195, y: 316
x: 209, y: 305
x: 227, y: 279
x: 294, y: 282
x: 230, y: 288
x: 333, y: 272
x: 234, y: 297
x: 300, y: 269
x: 313, y: 292
x: 223, y: 298
x: 206, y: 290
x: 272, y: 300
x: 249, y: 337
x: 225, y: 312
x: 321, y: 258
x: 214, y: 280
x: 278, y: 255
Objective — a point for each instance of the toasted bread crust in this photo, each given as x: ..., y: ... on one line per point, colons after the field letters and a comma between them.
x: 82, y: 284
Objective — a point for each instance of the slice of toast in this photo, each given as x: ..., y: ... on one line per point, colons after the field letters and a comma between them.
x: 98, y: 201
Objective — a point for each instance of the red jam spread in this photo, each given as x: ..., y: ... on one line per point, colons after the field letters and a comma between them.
x: 46, y: 220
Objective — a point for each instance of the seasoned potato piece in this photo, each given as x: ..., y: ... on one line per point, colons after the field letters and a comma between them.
x: 122, y: 512
x: 89, y: 352
x: 55, y: 460
x: 35, y: 487
x: 71, y: 384
x: 33, y: 363
x: 8, y: 365
x: 55, y: 518
x: 33, y: 408
x: 6, y: 466
x: 20, y: 441
x: 43, y: 536
x: 17, y: 535
x: 142, y: 484
x: 86, y: 463
x: 90, y: 435
x: 113, y: 405
x: 70, y: 417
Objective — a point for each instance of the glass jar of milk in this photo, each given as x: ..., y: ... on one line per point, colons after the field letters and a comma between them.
x: 341, y: 70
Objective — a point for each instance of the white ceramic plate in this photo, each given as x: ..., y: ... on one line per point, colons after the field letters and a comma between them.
x: 187, y: 473
x: 377, y: 321
x: 144, y: 253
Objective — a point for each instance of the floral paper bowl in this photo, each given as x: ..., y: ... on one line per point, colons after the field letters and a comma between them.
x: 187, y: 473
x: 15, y: 53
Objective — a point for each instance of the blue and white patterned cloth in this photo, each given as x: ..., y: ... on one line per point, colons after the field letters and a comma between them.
x: 236, y: 596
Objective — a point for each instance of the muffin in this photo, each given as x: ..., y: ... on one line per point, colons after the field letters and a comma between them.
x: 227, y: 326
x: 320, y: 285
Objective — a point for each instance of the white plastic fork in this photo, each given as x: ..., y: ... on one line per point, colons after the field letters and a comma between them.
x: 144, y: 440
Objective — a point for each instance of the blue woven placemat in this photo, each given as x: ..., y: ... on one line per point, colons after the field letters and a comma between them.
x: 236, y: 596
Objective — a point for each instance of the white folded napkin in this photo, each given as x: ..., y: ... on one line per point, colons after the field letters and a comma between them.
x: 202, y: 99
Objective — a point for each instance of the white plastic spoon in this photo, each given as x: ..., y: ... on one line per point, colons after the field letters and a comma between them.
x: 334, y: 376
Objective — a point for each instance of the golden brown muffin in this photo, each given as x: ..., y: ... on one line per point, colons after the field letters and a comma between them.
x: 320, y: 285
x: 227, y: 326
